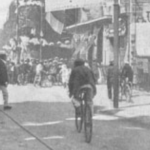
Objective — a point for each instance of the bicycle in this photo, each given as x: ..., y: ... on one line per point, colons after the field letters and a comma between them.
x: 85, y: 115
x: 125, y: 89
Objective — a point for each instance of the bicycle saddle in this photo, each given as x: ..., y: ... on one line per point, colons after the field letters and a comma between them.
x: 86, y: 86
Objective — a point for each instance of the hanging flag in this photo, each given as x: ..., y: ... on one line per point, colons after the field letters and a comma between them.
x: 56, y: 25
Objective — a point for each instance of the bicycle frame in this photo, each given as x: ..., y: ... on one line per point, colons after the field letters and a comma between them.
x: 126, y: 89
x: 85, y: 117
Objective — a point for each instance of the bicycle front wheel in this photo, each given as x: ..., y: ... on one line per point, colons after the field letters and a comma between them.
x: 88, y: 123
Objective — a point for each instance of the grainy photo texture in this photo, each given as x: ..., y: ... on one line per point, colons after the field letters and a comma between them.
x: 75, y: 75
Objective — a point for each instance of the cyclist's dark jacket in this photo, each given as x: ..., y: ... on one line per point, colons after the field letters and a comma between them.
x: 80, y: 76
x: 127, y: 72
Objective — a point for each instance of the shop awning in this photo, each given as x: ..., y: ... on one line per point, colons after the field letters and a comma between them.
x: 83, y: 27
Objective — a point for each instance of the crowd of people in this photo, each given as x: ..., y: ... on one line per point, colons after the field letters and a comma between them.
x: 45, y: 72
x: 55, y: 71
x: 40, y: 73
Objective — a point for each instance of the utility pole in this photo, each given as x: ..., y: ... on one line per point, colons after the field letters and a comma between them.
x: 116, y: 53
x: 41, y: 26
x: 17, y: 30
x: 129, y: 31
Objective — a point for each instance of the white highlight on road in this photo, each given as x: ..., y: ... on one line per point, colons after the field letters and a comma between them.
x: 133, y: 128
x: 70, y: 119
x: 98, y: 117
x: 105, y: 117
x: 45, y: 138
x: 41, y: 124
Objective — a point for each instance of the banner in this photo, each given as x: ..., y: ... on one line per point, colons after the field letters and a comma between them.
x: 56, y: 25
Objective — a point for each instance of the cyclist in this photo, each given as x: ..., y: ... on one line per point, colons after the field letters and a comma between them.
x: 126, y: 78
x: 127, y: 73
x: 81, y: 76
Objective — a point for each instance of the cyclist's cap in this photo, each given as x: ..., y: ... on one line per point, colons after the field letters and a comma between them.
x: 78, y: 62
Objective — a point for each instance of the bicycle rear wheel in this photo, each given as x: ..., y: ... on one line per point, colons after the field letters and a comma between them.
x: 79, y: 118
x: 88, y: 123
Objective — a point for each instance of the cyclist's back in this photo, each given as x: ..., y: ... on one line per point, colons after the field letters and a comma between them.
x: 80, y: 76
x: 127, y: 72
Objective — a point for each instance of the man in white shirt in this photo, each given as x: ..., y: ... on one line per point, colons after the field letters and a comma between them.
x: 38, y: 75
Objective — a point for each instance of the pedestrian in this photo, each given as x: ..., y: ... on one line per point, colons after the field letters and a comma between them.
x: 9, y: 70
x: 64, y: 75
x: 32, y: 71
x: 53, y: 72
x: 16, y: 73
x: 95, y: 67
x: 21, y: 73
x: 27, y: 68
x: 127, y: 73
x: 12, y: 72
x: 37, y: 79
x: 110, y: 77
x: 4, y: 80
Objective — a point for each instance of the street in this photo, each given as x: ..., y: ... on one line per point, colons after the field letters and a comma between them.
x: 48, y: 114
x: 40, y: 43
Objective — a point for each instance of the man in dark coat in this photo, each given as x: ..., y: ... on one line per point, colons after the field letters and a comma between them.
x: 4, y: 80
x: 110, y: 78
x: 80, y: 76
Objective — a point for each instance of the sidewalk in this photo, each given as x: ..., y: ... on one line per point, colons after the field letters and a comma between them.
x: 139, y: 108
